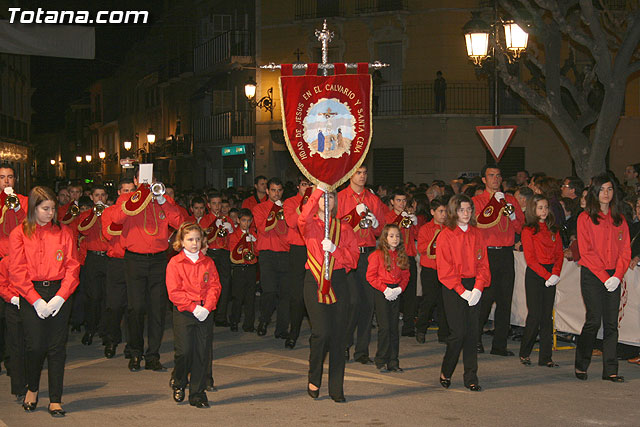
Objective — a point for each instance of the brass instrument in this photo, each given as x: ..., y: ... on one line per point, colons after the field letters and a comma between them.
x: 158, y: 189
x: 280, y: 215
x: 12, y: 201
x: 222, y: 232
x: 98, y: 209
x: 508, y: 209
x: 406, y: 222
x: 249, y: 255
x: 74, y: 209
x: 365, y: 222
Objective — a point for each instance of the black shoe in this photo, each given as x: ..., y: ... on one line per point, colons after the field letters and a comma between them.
x: 550, y: 364
x: 525, y: 361
x: 474, y: 387
x: 110, y: 350
x: 614, y: 378
x: 134, y: 363
x: 581, y: 375
x: 262, y: 329
x: 411, y: 333
x: 30, y: 406
x: 339, y: 399
x: 290, y: 343
x: 395, y: 369
x: 153, y: 365
x: 178, y: 394
x: 200, y: 404
x: 381, y: 367
x: 212, y: 388
x: 346, y: 355
x: 502, y: 352
x: 365, y: 360
x: 480, y: 348
x: 234, y: 327
x: 56, y: 413
x: 248, y: 329
x: 87, y: 339
x: 313, y: 393
x: 445, y: 382
x: 222, y: 323
x: 421, y: 337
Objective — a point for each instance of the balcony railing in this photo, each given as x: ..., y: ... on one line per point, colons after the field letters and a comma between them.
x: 221, y: 49
x: 312, y: 9
x: 373, y: 6
x: 223, y: 127
x: 460, y: 98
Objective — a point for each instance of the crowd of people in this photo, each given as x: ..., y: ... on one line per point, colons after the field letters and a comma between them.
x: 440, y: 253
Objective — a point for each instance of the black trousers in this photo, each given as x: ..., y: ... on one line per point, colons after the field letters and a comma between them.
x: 328, y: 323
x: 297, y: 260
x: 146, y: 294
x: 388, y: 337
x: 540, y: 299
x: 192, y: 356
x: 602, y: 306
x: 274, y: 273
x: 223, y: 264
x: 15, y: 345
x: 115, y: 299
x: 431, y: 298
x: 409, y: 299
x: 95, y: 267
x: 361, y: 310
x: 500, y: 292
x: 463, y: 326
x: 45, y: 338
x: 243, y: 286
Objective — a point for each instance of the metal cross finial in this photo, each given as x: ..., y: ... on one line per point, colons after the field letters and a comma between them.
x: 324, y: 37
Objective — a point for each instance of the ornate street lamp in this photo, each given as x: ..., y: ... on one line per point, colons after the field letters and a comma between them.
x: 127, y: 145
x: 88, y: 158
x: 151, y: 137
x: 516, y: 38
x: 476, y: 36
x: 265, y: 103
x: 250, y: 89
x: 102, y: 154
x: 79, y: 159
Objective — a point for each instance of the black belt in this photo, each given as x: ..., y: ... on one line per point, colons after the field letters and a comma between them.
x: 98, y: 253
x: 500, y: 247
x: 146, y: 255
x: 46, y: 283
x: 242, y: 265
x: 366, y: 249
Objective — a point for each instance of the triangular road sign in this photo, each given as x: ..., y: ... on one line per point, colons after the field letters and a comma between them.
x: 496, y: 138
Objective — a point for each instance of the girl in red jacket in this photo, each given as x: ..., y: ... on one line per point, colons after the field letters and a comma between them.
x: 542, y: 248
x: 388, y: 272
x: 463, y: 268
x: 193, y: 287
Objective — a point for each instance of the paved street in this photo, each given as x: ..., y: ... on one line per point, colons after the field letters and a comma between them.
x: 261, y: 383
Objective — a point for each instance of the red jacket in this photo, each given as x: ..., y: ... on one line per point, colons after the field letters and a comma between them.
x: 234, y: 239
x: 209, y: 221
x: 542, y: 248
x: 604, y: 246
x: 49, y: 254
x: 148, y: 231
x: 190, y: 284
x: 312, y: 228
x: 503, y: 233
x: 379, y: 277
x: 10, y: 221
x: 291, y: 215
x: 112, y: 234
x: 462, y: 254
x: 251, y: 202
x: 274, y: 239
x: 425, y: 237
x: 7, y: 290
x: 92, y: 230
x: 349, y: 199
x: 409, y: 235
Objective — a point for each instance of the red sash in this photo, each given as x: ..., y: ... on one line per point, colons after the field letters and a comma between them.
x: 88, y: 222
x: 243, y: 246
x: 491, y: 214
x: 138, y: 200
x: 68, y: 217
x: 114, y: 229
x: 353, y: 219
x: 306, y: 196
x: 272, y: 218
x: 317, y: 267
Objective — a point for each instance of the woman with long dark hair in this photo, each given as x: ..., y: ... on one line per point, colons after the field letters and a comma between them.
x: 605, y: 253
x: 44, y: 270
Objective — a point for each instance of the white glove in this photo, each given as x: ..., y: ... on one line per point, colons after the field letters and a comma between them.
x: 161, y: 200
x: 512, y: 216
x: 219, y: 223
x: 328, y: 246
x: 397, y: 291
x: 55, y: 304
x: 612, y: 283
x: 42, y: 308
x: 16, y: 301
x: 361, y: 208
x: 251, y: 238
x: 553, y: 280
x: 8, y: 191
x: 414, y: 219
x: 374, y: 220
x: 278, y: 202
x: 200, y: 313
x: 499, y: 195
x: 466, y: 295
x: 389, y: 294
x: 228, y: 226
x: 475, y: 297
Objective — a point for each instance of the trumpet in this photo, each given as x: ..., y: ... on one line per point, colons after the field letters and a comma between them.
x: 74, y: 209
x: 249, y: 255
x: 12, y: 201
x: 98, y: 209
x: 280, y: 215
x: 508, y: 209
x: 406, y: 222
x: 222, y: 232
x: 365, y: 222
x: 158, y: 189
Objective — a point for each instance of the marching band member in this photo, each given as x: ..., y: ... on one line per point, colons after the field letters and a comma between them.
x: 260, y: 194
x: 244, y: 260
x: 543, y: 253
x: 461, y: 259
x: 360, y: 208
x: 12, y: 211
x: 327, y: 301
x: 605, y: 253
x: 408, y: 224
x: 297, y: 258
x: 274, y: 260
x: 145, y: 218
x: 388, y: 273
x: 67, y: 213
x: 431, y: 286
x: 198, y: 207
x: 45, y: 273
x: 193, y: 287
x: 499, y: 218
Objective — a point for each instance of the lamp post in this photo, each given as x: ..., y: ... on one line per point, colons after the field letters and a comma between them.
x: 265, y: 103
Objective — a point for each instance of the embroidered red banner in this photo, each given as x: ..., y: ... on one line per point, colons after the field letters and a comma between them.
x: 327, y: 122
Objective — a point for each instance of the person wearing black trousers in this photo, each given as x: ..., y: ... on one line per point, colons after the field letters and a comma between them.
x: 327, y: 301
x: 542, y: 246
x: 605, y: 254
x: 15, y: 345
x: 244, y: 260
x: 463, y: 268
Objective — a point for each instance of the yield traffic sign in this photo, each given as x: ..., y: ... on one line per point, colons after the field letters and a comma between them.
x: 496, y: 138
